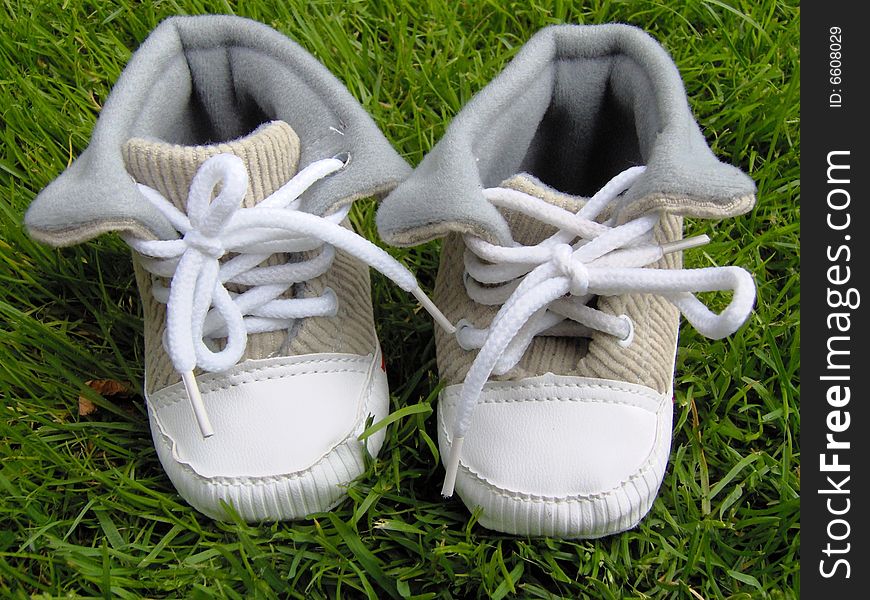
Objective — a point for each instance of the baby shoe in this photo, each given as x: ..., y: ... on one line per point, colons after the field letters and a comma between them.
x: 228, y: 158
x: 560, y: 190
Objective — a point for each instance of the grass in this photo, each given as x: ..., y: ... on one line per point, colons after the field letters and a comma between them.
x: 86, y: 510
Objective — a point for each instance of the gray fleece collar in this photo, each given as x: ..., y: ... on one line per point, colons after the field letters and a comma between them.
x: 207, y: 79
x: 577, y: 105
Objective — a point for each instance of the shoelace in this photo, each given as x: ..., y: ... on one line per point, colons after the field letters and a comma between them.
x: 545, y: 288
x: 199, y: 305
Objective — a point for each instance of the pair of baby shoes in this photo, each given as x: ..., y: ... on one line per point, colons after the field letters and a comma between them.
x: 228, y: 158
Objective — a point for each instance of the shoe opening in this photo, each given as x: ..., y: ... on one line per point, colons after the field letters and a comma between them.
x: 589, y: 131
x: 593, y: 103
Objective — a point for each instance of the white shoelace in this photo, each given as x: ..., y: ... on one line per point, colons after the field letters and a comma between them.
x: 199, y: 306
x: 545, y: 288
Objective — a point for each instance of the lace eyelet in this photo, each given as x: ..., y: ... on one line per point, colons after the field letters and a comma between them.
x: 328, y: 292
x: 460, y: 327
x: 628, y: 339
x: 343, y: 157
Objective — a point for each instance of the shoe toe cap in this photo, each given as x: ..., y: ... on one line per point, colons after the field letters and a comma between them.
x: 565, y: 456
x: 285, y: 439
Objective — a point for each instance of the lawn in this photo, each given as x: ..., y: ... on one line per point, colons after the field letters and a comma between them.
x: 85, y: 509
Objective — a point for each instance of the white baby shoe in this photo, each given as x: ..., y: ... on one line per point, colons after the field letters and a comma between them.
x: 561, y: 189
x: 228, y: 158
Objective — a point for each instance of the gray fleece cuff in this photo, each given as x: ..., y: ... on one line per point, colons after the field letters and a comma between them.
x: 577, y: 105
x: 207, y: 79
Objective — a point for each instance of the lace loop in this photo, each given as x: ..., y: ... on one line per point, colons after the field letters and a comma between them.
x: 544, y: 289
x: 200, y: 308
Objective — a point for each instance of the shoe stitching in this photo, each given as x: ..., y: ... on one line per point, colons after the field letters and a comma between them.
x: 250, y: 480
x: 646, y: 466
x: 536, y: 499
x: 487, y: 399
x: 674, y: 205
x: 221, y: 481
x: 177, y: 395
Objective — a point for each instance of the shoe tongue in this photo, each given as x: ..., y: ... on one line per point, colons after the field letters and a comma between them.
x: 270, y: 154
x: 528, y: 230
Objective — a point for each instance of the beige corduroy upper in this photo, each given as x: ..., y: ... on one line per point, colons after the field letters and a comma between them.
x: 271, y: 155
x: 648, y: 360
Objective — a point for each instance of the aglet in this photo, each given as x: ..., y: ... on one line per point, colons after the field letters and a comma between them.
x: 692, y: 242
x: 433, y: 310
x: 452, y: 467
x: 196, y: 404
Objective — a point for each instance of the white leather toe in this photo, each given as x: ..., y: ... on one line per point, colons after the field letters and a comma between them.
x: 286, y: 429
x: 565, y: 456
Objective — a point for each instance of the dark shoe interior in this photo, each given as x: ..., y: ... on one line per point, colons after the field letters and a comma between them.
x: 591, y: 129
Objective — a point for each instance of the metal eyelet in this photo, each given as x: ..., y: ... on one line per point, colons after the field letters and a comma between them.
x: 628, y: 339
x: 343, y: 157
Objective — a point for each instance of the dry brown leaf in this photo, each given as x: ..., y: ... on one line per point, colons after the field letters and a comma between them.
x: 108, y: 387
x: 104, y: 387
x: 86, y: 407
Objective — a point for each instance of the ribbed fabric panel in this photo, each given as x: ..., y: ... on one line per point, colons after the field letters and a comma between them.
x: 159, y: 372
x: 581, y: 516
x: 271, y: 155
x: 352, y: 329
x: 557, y: 355
x: 647, y: 361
